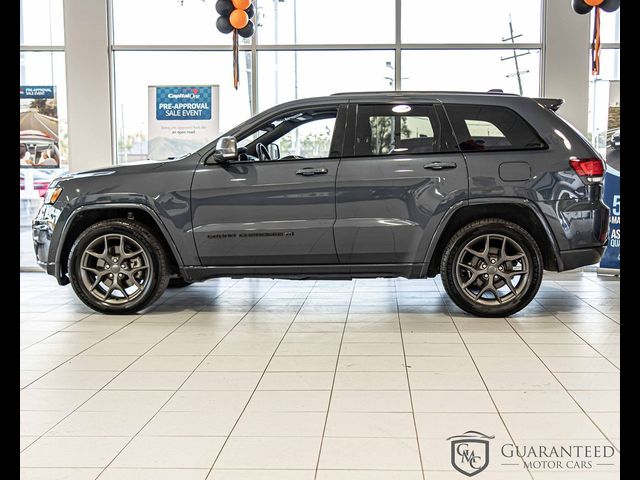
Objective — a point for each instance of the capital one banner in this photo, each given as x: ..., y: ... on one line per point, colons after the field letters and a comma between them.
x: 182, y: 119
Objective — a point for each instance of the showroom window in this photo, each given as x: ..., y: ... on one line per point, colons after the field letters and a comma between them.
x: 43, y: 110
x: 300, y: 50
x: 604, y: 88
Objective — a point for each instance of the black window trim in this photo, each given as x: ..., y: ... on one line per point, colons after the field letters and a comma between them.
x: 543, y: 146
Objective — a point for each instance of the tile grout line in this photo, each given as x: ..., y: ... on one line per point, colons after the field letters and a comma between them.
x: 585, y: 341
x: 261, y: 376
x: 188, y: 376
x: 112, y: 379
x: 565, y: 389
x: 406, y: 371
x: 487, y: 387
x: 333, y: 380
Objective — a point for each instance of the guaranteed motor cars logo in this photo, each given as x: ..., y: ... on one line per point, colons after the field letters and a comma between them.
x: 183, y: 103
x: 470, y: 452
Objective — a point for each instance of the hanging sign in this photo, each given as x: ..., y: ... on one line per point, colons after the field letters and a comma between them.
x: 182, y: 119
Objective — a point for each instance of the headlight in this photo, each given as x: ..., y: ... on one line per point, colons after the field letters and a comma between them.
x: 52, y: 195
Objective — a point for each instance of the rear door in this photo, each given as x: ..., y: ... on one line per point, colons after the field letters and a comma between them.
x: 400, y: 173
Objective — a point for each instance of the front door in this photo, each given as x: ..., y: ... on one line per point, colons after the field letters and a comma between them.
x: 274, y: 206
x: 394, y: 185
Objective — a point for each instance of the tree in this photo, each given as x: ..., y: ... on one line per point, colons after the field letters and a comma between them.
x: 45, y: 108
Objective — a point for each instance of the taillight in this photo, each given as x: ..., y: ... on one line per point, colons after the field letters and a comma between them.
x: 590, y: 170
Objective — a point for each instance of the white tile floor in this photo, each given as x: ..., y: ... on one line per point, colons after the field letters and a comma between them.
x: 325, y: 380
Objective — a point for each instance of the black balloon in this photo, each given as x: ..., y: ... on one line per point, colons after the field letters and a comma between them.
x: 580, y: 7
x: 224, y: 7
x: 250, y: 11
x: 610, y: 5
x: 247, y: 31
x: 223, y: 25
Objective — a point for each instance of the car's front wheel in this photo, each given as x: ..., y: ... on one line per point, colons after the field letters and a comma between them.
x: 492, y: 268
x: 118, y: 266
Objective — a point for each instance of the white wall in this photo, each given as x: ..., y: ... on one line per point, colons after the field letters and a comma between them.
x: 566, y: 60
x: 88, y: 97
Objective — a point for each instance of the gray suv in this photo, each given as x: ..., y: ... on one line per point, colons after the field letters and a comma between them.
x: 486, y: 189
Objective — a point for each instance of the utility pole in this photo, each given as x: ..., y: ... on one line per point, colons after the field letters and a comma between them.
x: 515, y: 56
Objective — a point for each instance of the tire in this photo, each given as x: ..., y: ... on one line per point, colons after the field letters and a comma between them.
x: 178, y: 282
x: 127, y: 276
x: 481, y: 287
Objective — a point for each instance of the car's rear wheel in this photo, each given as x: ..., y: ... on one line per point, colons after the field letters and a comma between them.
x: 118, y: 266
x: 492, y: 268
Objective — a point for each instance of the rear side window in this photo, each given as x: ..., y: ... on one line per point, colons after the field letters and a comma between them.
x: 491, y: 128
x: 396, y: 130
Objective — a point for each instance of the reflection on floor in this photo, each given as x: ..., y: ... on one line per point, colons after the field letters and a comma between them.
x: 286, y: 380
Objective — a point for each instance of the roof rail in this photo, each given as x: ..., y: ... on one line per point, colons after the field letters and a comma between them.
x: 552, y: 104
x: 423, y: 92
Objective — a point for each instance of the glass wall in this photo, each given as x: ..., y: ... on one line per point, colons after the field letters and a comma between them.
x: 303, y: 49
x: 43, y: 122
x: 604, y: 88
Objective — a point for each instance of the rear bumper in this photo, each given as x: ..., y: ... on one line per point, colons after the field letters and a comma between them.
x: 570, y: 259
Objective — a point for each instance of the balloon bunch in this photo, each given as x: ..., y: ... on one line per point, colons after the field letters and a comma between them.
x: 583, y: 7
x: 235, y: 16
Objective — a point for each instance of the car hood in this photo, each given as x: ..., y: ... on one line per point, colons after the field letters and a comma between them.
x: 126, y: 169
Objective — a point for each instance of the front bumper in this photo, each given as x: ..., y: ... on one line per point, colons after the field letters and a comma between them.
x: 570, y: 259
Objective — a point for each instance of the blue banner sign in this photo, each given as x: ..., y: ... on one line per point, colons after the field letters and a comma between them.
x: 611, y: 257
x: 37, y: 92
x: 183, y: 103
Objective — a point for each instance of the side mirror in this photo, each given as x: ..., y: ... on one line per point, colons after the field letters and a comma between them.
x: 274, y: 151
x: 226, y: 150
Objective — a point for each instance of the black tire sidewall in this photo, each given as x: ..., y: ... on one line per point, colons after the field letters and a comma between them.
x: 483, y: 227
x: 154, y: 252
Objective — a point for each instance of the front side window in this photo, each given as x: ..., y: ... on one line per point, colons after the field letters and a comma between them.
x: 309, y: 140
x: 303, y: 135
x: 396, y: 130
x: 485, y: 127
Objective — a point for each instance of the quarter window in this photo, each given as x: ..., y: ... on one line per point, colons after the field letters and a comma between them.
x: 396, y: 130
x: 484, y: 127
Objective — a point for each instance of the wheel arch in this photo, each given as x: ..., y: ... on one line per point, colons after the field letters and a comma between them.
x: 519, y: 211
x: 85, y: 216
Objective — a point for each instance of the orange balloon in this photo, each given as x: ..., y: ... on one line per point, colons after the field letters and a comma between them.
x: 241, y: 4
x: 593, y: 3
x: 238, y: 19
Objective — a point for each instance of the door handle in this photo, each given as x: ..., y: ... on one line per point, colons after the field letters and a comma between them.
x: 440, y: 165
x: 308, y: 171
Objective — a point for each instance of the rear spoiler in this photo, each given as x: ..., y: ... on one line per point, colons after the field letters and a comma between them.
x: 552, y: 104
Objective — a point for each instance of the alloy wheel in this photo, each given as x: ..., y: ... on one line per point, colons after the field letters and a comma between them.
x: 115, y: 269
x: 492, y: 269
